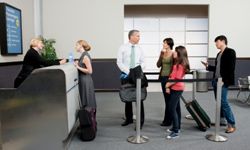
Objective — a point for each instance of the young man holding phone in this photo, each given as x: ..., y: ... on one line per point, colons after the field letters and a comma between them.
x: 224, y: 68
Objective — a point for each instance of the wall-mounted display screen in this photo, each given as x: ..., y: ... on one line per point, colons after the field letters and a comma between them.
x: 10, y: 30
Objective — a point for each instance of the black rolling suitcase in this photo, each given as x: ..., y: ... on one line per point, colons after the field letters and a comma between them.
x: 87, y: 128
x: 199, y: 115
x: 87, y: 123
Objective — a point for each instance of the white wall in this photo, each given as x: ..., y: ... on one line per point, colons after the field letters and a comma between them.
x: 187, y: 25
x: 228, y: 17
x: 101, y: 23
x: 27, y: 9
x: 231, y: 18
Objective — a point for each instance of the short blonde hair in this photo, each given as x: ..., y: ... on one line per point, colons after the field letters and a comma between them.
x: 84, y: 44
x: 34, y: 42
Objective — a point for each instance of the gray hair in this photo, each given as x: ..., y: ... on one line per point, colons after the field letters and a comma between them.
x: 131, y: 32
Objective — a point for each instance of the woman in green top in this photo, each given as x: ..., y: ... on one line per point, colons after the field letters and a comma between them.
x: 165, y: 62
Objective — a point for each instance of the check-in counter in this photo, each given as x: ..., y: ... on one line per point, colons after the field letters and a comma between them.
x: 41, y: 112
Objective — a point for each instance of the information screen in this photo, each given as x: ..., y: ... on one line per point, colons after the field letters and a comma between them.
x: 11, y: 30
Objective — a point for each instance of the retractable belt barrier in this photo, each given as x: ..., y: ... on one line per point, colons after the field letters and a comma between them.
x: 191, y: 80
x: 138, y: 139
x: 216, y: 137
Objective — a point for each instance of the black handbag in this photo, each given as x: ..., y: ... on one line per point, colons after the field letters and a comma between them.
x: 128, y: 93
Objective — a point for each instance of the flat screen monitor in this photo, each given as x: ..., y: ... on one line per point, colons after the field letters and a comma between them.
x: 10, y: 30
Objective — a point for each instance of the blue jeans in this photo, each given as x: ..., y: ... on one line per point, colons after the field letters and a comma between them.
x: 225, y: 107
x: 166, y: 120
x: 175, y: 109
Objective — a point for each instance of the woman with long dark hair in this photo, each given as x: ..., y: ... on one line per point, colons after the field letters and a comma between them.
x: 175, y: 89
x: 165, y: 62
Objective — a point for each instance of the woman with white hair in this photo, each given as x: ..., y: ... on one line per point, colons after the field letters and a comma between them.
x: 33, y: 60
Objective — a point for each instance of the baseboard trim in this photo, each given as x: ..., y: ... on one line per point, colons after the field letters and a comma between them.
x: 107, y: 90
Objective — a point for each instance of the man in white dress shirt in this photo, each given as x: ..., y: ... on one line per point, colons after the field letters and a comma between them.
x: 130, y: 55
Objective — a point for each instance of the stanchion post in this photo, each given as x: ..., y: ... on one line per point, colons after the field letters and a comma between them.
x: 1, y: 147
x: 218, y: 107
x: 138, y: 139
x: 216, y: 137
x: 138, y: 109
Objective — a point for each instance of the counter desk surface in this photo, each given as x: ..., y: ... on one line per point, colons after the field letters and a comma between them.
x: 40, y: 113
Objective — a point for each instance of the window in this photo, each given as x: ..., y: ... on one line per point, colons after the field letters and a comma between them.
x: 189, y: 32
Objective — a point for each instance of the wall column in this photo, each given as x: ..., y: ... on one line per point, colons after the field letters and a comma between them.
x: 38, y: 18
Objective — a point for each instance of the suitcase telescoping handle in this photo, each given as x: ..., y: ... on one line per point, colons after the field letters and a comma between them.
x: 193, y: 89
x: 183, y: 99
x: 194, y: 85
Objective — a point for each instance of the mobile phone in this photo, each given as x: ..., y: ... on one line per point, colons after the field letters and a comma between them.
x: 204, y: 63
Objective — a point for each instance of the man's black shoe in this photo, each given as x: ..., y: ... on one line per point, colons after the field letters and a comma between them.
x: 125, y: 123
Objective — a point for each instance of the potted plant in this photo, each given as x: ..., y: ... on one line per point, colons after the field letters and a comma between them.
x: 48, y: 51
